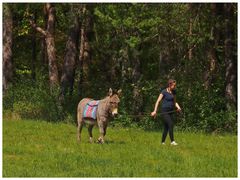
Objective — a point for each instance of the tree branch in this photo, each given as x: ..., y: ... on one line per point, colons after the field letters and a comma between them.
x: 39, y: 29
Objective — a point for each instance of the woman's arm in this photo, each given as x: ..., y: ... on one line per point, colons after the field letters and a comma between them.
x: 176, y: 104
x: 156, y: 105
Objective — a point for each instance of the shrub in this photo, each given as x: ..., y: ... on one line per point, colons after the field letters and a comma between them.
x: 33, y: 102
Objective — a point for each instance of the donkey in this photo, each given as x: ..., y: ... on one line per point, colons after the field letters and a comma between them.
x: 106, y: 108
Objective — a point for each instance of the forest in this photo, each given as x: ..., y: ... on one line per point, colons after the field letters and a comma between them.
x: 55, y: 54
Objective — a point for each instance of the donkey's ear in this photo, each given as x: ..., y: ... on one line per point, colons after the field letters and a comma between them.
x: 119, y: 92
x: 110, y: 92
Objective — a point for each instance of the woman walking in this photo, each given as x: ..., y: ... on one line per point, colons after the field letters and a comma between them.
x: 168, y: 98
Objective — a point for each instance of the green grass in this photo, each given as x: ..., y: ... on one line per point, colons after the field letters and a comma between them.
x: 41, y: 149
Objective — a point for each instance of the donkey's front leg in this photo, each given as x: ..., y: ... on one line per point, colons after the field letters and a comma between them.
x: 105, y: 130
x: 101, y: 125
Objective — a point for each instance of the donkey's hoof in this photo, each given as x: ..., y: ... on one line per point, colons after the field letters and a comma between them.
x: 100, y: 141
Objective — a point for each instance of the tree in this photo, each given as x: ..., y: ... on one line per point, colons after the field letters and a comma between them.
x: 191, y: 9
x: 85, y: 47
x: 50, y: 44
x: 7, y: 46
x: 136, y: 79
x: 71, y: 52
x: 212, y: 45
x: 230, y: 58
x: 34, y: 48
x: 44, y: 57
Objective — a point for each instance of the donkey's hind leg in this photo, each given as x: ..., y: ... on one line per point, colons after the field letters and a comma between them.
x: 79, y: 130
x: 90, y: 127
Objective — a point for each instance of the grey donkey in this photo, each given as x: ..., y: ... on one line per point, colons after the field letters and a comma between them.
x: 107, y: 107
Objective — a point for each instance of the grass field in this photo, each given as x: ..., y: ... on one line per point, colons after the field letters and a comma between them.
x: 41, y: 149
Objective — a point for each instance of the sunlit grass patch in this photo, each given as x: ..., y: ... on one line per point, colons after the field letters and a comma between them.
x: 42, y: 149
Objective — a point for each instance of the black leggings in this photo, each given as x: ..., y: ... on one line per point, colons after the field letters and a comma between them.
x: 168, y: 123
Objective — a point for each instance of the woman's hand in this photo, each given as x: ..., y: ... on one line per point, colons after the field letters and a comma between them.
x: 179, y: 109
x: 153, y: 114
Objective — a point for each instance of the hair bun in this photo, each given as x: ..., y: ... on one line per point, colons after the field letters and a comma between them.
x: 171, y: 81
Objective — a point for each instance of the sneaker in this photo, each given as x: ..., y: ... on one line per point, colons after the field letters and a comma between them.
x: 163, y: 143
x: 174, y: 143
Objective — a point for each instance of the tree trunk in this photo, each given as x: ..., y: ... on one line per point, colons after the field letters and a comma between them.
x: 213, y: 44
x: 85, y: 48
x: 190, y: 31
x: 136, y: 78
x: 50, y: 42
x: 34, y: 53
x: 188, y: 67
x: 230, y: 59
x: 124, y: 64
x: 67, y: 79
x: 7, y: 46
x: 44, y: 56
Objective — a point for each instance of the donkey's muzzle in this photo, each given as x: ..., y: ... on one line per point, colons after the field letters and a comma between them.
x: 115, y: 115
x: 115, y: 112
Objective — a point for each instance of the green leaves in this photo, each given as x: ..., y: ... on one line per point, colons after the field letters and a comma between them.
x: 133, y: 41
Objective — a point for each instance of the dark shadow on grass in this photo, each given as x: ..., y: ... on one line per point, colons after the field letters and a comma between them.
x: 111, y: 142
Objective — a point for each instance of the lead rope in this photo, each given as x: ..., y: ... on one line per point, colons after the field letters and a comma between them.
x: 146, y: 114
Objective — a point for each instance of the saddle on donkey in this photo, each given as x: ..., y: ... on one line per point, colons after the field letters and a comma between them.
x: 90, y: 110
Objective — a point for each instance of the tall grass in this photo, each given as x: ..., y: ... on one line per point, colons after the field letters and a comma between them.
x: 43, y: 149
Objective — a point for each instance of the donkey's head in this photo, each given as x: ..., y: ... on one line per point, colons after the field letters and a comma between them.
x: 114, y: 101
